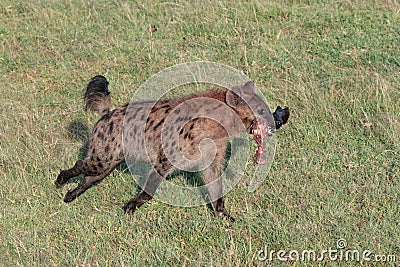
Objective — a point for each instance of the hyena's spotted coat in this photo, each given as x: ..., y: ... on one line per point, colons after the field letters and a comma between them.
x: 153, y: 118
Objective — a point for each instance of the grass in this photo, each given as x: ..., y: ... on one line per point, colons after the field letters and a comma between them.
x: 336, y: 172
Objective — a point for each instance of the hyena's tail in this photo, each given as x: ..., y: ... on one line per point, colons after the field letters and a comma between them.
x: 97, y: 97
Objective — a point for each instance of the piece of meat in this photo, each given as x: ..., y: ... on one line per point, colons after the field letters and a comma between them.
x: 260, y: 130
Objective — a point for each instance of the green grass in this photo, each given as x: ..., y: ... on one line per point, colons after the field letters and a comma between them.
x: 336, y: 173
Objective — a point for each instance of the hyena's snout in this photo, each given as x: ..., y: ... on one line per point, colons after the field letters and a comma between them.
x: 261, y: 129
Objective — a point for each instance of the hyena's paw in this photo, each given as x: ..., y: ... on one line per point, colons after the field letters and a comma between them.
x: 220, y: 210
x: 65, y: 175
x: 225, y: 214
x: 130, y: 207
x: 70, y: 196
x: 62, y: 178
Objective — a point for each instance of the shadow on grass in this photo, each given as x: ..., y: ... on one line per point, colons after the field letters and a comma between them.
x: 79, y: 131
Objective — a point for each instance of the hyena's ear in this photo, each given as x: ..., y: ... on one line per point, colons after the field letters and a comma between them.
x: 249, y: 88
x: 234, y: 97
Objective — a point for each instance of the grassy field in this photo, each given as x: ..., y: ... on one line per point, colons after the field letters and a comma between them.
x: 336, y: 64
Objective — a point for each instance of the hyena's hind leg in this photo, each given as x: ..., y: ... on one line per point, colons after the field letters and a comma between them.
x: 87, y: 167
x: 153, y: 181
x: 65, y: 175
x: 91, y: 178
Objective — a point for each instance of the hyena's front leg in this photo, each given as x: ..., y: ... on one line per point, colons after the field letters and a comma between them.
x: 213, y: 180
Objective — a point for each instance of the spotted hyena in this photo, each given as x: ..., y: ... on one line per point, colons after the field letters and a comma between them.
x: 171, y: 132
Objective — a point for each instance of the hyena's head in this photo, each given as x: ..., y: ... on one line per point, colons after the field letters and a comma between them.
x: 255, y: 115
x: 249, y: 106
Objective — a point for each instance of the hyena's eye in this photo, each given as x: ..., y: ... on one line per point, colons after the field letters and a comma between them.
x: 261, y: 111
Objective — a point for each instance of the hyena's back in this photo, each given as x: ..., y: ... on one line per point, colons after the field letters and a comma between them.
x: 169, y: 133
